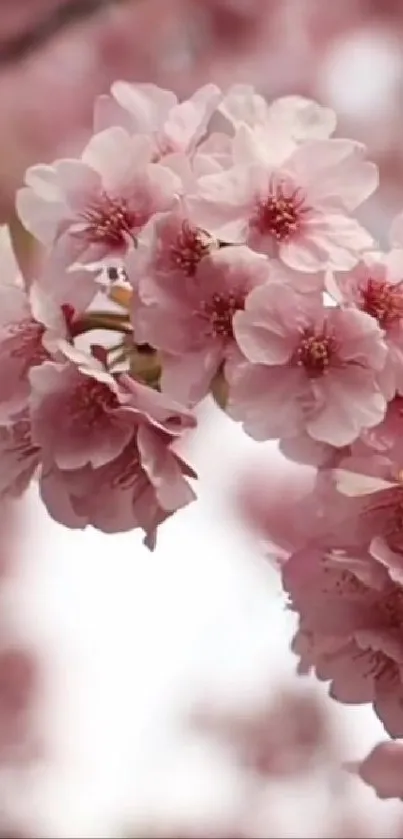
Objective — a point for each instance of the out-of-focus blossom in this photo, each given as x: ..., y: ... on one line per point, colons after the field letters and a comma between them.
x: 383, y: 769
x: 283, y: 737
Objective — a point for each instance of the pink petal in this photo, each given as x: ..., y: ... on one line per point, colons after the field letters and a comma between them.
x: 265, y: 400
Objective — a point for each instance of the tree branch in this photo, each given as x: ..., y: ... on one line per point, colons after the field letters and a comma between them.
x: 67, y: 14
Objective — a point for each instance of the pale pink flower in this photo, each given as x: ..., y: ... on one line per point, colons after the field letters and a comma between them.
x: 351, y: 612
x: 169, y: 252
x: 147, y: 109
x: 30, y: 326
x: 382, y: 769
x: 374, y: 481
x: 77, y: 412
x: 279, y: 126
x: 308, y: 368
x: 375, y: 286
x: 189, y: 304
x: 94, y: 207
x: 299, y: 210
x: 142, y: 485
x: 171, y: 248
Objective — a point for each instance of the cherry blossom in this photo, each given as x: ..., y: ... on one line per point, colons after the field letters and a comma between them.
x: 94, y: 207
x: 147, y: 109
x: 350, y: 612
x: 375, y: 286
x: 76, y: 413
x: 287, y: 121
x: 299, y: 210
x: 190, y: 297
x: 138, y: 484
x: 307, y: 368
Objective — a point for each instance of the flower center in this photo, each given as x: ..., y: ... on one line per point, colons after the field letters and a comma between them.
x: 383, y: 300
x: 281, y: 213
x: 219, y: 311
x: 189, y: 248
x: 91, y: 400
x: 315, y: 352
x: 110, y: 221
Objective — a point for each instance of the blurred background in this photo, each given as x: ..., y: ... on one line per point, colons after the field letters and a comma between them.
x: 156, y: 695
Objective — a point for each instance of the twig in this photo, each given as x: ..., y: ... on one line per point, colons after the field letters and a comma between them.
x: 67, y: 14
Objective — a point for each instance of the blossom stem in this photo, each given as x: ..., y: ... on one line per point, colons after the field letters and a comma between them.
x: 101, y: 320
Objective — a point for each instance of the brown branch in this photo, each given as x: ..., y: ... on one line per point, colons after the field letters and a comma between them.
x: 68, y: 13
x: 100, y: 320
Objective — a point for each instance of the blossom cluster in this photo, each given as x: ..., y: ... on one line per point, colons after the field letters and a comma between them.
x: 219, y: 238
x: 205, y: 233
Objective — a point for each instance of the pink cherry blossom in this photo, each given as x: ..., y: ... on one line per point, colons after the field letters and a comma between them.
x: 189, y: 301
x: 350, y: 612
x: 172, y: 246
x: 308, y: 368
x: 147, y: 109
x: 30, y: 326
x: 141, y: 486
x: 375, y: 482
x: 299, y: 211
x: 382, y: 769
x: 381, y: 506
x: 94, y: 207
x: 169, y: 252
x: 77, y: 413
x: 279, y: 126
x: 376, y: 286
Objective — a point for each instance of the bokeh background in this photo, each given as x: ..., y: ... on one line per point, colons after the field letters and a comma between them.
x: 155, y: 695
